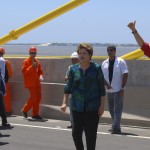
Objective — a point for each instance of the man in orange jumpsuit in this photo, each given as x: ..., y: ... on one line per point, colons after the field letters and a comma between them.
x: 7, y: 100
x: 32, y: 74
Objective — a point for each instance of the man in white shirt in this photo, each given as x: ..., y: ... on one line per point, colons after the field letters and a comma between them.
x: 116, y: 74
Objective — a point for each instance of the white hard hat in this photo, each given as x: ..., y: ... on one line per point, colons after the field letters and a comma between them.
x: 74, y: 55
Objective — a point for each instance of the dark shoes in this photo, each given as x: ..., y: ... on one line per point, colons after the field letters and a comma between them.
x: 114, y: 131
x: 37, y: 117
x: 69, y: 127
x: 24, y: 114
x: 34, y: 117
x: 6, y: 125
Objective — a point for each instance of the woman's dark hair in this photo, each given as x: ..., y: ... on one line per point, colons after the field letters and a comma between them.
x: 88, y: 47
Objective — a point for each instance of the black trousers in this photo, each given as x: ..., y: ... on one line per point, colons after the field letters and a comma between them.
x: 2, y: 110
x: 86, y: 121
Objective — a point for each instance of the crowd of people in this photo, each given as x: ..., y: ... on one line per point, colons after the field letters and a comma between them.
x: 87, y: 82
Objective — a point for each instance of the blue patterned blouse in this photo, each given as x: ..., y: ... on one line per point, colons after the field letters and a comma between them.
x: 86, y: 87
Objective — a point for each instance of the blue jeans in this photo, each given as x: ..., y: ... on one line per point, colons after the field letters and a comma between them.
x: 115, y: 105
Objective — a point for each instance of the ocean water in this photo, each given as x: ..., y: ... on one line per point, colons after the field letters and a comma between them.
x: 61, y: 50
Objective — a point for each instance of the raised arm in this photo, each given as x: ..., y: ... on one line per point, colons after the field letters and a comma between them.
x: 137, y: 37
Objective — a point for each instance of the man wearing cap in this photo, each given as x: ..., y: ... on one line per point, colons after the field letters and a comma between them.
x: 7, y: 101
x: 32, y: 74
x: 74, y: 59
x: 2, y: 91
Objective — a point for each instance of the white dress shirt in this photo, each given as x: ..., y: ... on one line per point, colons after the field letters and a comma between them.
x: 119, y: 69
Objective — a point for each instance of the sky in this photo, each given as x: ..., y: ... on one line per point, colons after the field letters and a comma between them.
x: 102, y: 21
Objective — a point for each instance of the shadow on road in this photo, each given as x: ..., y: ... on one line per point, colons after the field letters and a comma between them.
x: 3, y: 143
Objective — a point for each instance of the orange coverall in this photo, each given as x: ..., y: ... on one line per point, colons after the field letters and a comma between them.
x: 31, y: 81
x: 7, y: 101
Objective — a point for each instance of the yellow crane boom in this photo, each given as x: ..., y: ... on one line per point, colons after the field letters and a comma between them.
x: 133, y: 55
x: 14, y: 34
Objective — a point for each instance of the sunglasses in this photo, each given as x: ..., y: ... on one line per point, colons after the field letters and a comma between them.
x: 110, y: 50
x: 32, y: 52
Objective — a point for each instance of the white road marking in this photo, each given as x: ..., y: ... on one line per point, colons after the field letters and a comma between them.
x: 42, y: 83
x: 41, y: 127
x: 133, y: 136
x: 62, y: 129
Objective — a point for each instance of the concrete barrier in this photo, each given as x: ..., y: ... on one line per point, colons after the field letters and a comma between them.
x: 52, y: 95
x: 136, y: 99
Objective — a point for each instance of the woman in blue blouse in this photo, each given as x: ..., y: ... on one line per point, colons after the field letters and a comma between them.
x: 86, y: 84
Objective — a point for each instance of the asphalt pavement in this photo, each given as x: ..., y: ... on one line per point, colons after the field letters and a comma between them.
x: 48, y: 134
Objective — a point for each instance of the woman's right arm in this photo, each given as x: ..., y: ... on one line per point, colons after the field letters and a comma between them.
x: 64, y: 103
x: 67, y: 91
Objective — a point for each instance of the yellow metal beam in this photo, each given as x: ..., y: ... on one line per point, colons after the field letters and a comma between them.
x: 14, y: 34
x: 133, y: 55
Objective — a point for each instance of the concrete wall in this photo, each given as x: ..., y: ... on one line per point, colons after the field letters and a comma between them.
x: 136, y: 99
